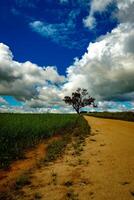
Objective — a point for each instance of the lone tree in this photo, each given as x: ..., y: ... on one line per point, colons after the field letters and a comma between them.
x: 79, y: 99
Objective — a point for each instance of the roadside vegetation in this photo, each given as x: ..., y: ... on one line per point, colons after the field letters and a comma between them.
x: 22, y: 131
x: 71, y: 128
x: 127, y: 116
x: 19, y: 132
x: 76, y: 134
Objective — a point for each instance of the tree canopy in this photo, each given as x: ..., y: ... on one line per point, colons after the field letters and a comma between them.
x: 79, y: 99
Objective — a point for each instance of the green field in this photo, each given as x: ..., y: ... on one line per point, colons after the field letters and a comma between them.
x: 21, y: 131
x: 127, y: 116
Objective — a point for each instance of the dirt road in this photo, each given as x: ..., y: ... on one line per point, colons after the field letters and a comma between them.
x: 104, y: 169
x: 111, y: 152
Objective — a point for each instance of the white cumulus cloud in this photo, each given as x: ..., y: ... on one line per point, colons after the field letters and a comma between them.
x: 107, y: 68
x: 24, y: 80
x: 96, y: 6
x: 124, y: 11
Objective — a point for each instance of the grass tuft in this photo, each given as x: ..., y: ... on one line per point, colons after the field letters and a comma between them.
x: 37, y: 195
x: 71, y: 195
x: 79, y: 133
x: 22, y: 180
x: 55, y: 149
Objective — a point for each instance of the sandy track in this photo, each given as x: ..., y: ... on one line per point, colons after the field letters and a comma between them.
x: 103, y: 171
x: 31, y: 159
x: 111, y: 151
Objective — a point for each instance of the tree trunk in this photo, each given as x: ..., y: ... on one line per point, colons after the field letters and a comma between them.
x: 78, y: 112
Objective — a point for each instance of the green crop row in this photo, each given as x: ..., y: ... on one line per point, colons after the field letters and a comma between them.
x: 21, y: 131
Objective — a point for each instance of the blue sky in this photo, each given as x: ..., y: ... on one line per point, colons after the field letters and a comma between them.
x: 59, y: 36
x: 66, y: 39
